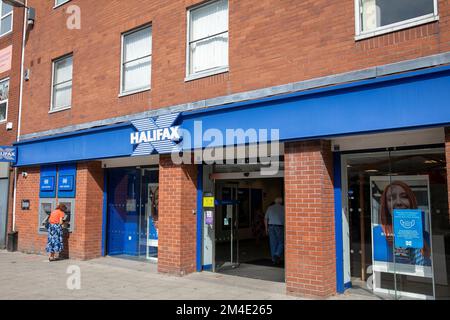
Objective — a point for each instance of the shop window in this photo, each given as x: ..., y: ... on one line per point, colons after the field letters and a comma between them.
x: 62, y: 83
x: 136, y: 60
x: 381, y: 16
x: 398, y: 223
x: 4, y: 94
x: 208, y: 39
x: 6, y: 18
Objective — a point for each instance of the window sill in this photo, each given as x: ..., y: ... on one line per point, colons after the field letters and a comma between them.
x: 60, y: 5
x: 5, y: 34
x: 396, y: 27
x: 59, y: 110
x: 129, y: 93
x: 205, y: 74
x: 3, y: 121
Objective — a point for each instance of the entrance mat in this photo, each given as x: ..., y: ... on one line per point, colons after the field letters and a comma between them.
x: 265, y: 263
x: 254, y: 272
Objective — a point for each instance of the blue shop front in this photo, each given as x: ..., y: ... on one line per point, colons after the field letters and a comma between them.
x: 388, y: 137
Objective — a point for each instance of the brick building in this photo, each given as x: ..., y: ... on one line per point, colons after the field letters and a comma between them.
x: 144, y: 116
x: 11, y: 30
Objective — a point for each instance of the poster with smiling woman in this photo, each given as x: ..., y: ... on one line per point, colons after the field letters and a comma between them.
x: 407, y: 197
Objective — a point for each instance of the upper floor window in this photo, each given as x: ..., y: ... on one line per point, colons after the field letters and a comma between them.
x: 4, y: 94
x: 136, y: 60
x: 6, y: 18
x: 62, y: 83
x: 208, y: 39
x: 382, y: 16
x: 60, y: 2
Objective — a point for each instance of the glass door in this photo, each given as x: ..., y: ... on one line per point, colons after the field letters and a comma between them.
x: 227, y: 239
x: 148, y: 216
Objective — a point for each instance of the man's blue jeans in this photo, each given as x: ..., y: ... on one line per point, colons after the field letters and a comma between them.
x: 276, y: 237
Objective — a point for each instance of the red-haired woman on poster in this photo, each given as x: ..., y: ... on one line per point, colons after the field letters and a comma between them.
x: 397, y: 195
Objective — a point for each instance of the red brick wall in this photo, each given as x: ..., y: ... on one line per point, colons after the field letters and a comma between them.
x: 14, y: 39
x: 271, y: 43
x: 7, y: 137
x: 85, y: 241
x: 310, y: 241
x: 177, y: 223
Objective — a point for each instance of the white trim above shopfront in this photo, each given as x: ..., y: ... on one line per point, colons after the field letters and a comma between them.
x: 389, y: 140
x: 131, y: 162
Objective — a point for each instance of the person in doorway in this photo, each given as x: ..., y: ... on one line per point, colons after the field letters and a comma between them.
x: 397, y: 195
x: 55, y: 232
x: 274, y: 222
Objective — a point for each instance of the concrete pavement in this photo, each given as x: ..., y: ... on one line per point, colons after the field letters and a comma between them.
x: 32, y: 277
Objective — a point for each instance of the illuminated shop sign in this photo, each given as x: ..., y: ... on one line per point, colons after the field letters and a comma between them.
x: 155, y: 135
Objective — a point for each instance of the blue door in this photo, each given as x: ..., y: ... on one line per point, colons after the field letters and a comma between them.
x: 133, y: 212
x: 123, y: 213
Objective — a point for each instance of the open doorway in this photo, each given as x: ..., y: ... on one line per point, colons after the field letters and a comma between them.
x: 242, y: 246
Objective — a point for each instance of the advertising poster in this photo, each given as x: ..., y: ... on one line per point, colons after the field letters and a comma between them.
x: 401, y: 232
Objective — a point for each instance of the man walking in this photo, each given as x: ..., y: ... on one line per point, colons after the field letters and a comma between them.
x: 274, y: 222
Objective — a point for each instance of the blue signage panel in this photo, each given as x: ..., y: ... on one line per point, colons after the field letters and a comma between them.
x: 67, y: 180
x: 65, y: 183
x: 47, y: 187
x: 47, y: 184
x: 412, y: 100
x: 8, y: 154
x: 408, y: 228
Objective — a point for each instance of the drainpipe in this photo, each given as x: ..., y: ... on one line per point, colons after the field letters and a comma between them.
x: 19, y: 120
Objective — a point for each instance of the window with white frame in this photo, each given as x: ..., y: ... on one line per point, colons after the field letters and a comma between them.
x: 208, y: 38
x: 60, y: 2
x: 62, y: 83
x: 379, y: 15
x: 136, y: 60
x: 6, y: 18
x: 4, y: 94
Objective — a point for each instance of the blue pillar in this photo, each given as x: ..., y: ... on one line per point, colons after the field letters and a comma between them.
x: 199, y: 217
x: 338, y: 223
x: 105, y: 210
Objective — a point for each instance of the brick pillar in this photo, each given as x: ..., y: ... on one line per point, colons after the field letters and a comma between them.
x: 447, y: 157
x: 86, y: 240
x: 177, y: 223
x: 310, y: 242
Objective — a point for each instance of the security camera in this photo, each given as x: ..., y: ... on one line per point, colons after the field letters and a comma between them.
x: 24, y: 174
x: 177, y: 140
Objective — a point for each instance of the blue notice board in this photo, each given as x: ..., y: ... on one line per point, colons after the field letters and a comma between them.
x: 47, y: 184
x: 67, y: 181
x: 408, y: 228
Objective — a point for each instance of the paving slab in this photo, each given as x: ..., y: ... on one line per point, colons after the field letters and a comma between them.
x: 30, y: 277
